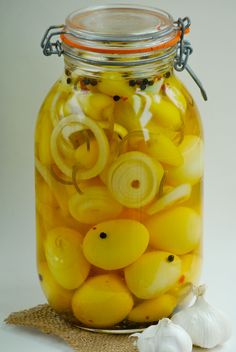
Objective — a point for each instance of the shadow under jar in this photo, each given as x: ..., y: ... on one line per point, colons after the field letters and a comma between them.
x: 118, y: 158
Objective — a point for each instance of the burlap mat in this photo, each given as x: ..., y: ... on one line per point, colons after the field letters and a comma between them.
x: 48, y: 321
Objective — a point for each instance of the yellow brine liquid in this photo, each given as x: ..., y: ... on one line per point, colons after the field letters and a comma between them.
x: 118, y: 197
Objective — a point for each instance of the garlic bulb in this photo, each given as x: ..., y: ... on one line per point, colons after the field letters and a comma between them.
x: 163, y: 337
x: 207, y: 326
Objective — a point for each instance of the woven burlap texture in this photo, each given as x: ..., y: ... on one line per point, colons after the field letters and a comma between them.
x: 48, y: 321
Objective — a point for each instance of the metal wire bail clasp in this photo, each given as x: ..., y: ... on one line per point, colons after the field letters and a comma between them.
x: 49, y: 47
x: 184, y: 50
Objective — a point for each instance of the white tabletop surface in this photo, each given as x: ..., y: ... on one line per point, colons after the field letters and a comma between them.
x: 25, y: 78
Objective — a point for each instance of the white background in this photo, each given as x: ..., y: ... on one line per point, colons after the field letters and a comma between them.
x: 25, y: 78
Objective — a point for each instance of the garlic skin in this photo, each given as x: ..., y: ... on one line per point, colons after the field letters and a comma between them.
x: 206, y: 325
x: 163, y: 337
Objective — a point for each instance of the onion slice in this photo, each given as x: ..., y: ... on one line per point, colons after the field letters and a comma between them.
x: 178, y: 195
x: 77, y: 123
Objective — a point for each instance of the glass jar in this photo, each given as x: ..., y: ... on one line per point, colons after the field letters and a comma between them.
x: 118, y: 158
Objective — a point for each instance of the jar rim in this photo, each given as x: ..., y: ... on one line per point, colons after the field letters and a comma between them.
x: 120, y: 28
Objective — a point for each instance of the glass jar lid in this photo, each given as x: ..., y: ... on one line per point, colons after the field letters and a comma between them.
x: 120, y: 28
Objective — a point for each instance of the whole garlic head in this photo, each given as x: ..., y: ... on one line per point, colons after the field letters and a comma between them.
x: 206, y: 325
x: 163, y: 337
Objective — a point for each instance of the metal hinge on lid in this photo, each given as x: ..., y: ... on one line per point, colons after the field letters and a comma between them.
x: 50, y: 48
x: 184, y: 50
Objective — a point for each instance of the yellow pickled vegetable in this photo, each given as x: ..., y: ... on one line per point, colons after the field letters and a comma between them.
x: 134, y: 179
x: 102, y: 301
x: 85, y: 156
x: 156, y: 145
x: 116, y: 243
x: 95, y: 204
x: 54, y: 217
x: 112, y: 83
x: 93, y: 104
x: 175, y: 136
x: 177, y: 230
x: 59, y: 298
x: 163, y: 149
x: 120, y: 130
x: 191, y: 170
x: 153, y: 309
x: 80, y: 123
x: 191, y: 268
x: 195, y: 201
x: 134, y: 113
x: 153, y: 274
x: 126, y: 116
x: 166, y: 114
x: 63, y: 250
x: 173, y: 197
x: 133, y: 214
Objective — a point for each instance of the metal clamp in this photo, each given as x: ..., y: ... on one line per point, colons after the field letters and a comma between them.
x: 184, y: 50
x: 49, y: 47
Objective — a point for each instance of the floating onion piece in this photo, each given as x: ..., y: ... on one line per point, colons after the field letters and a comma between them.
x: 81, y: 123
x: 73, y: 142
x: 120, y: 130
x: 72, y: 106
x: 57, y: 188
x: 176, y: 196
x: 74, y: 177
x: 56, y: 109
x: 146, y: 114
x: 176, y: 96
x: 137, y: 104
x: 191, y: 170
x: 114, y: 153
x: 156, y: 87
x: 59, y: 176
x: 162, y: 185
x: 94, y: 205
x: 134, y: 179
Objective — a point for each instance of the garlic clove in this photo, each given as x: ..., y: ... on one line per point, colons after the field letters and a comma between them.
x: 147, y: 333
x: 207, y: 326
x: 163, y: 337
x: 144, y: 341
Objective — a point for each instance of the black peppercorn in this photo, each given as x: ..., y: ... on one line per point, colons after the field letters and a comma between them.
x: 103, y: 235
x: 67, y: 72
x: 171, y: 258
x: 145, y: 81
x: 143, y: 86
x: 132, y: 83
x: 116, y: 98
x: 167, y: 75
x: 86, y: 81
x: 150, y: 83
x: 93, y: 82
